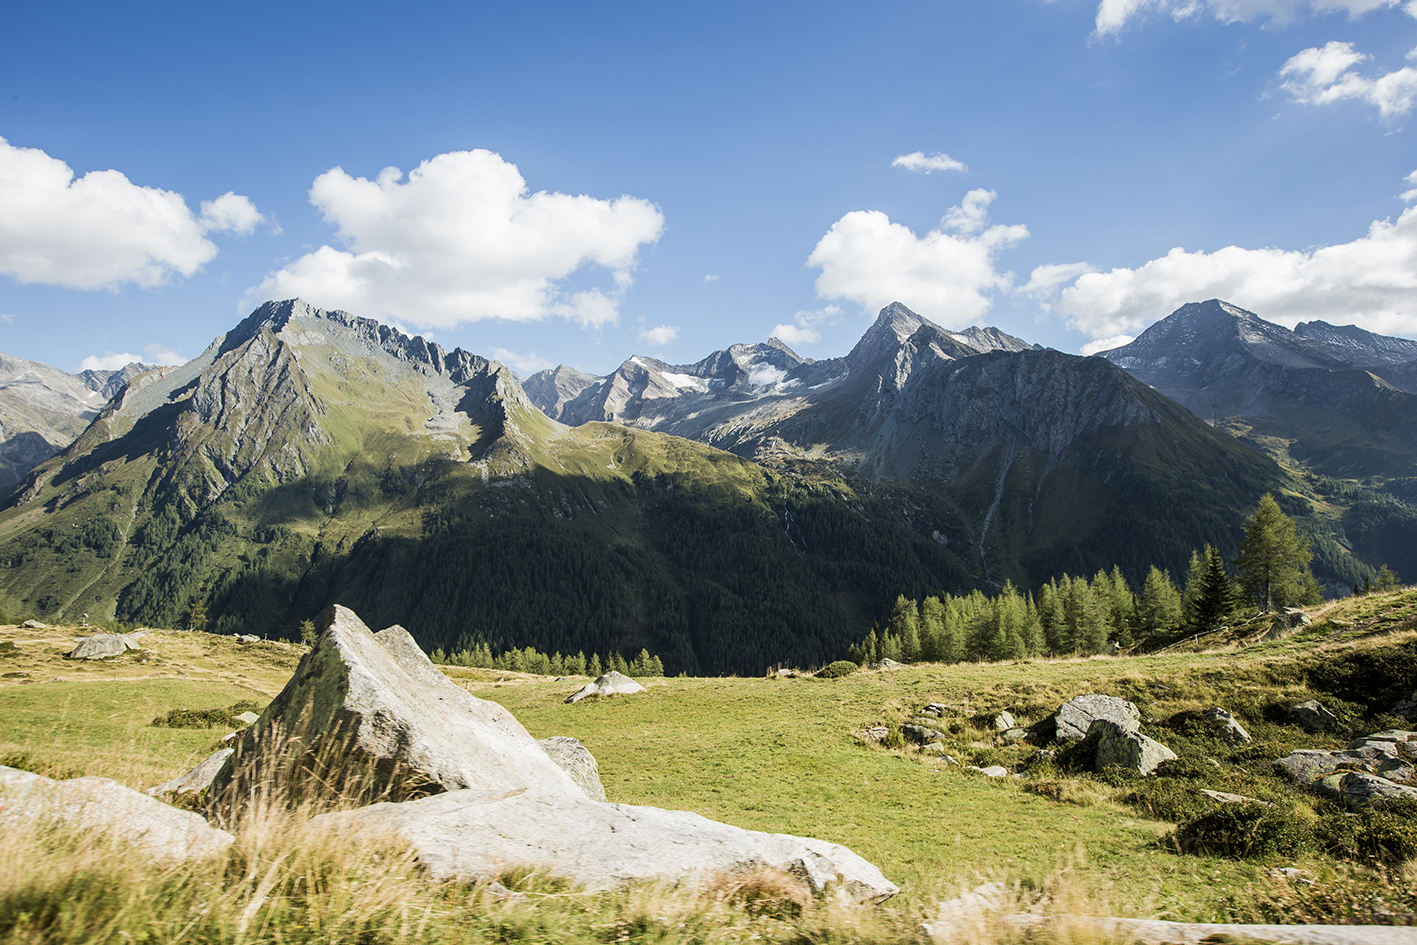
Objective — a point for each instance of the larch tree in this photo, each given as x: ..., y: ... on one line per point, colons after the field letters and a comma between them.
x: 1274, y: 559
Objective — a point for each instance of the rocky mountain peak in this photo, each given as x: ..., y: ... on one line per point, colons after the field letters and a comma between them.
x: 892, y: 327
x: 1363, y: 346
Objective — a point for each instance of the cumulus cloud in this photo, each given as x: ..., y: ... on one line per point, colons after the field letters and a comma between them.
x: 1371, y: 281
x: 463, y: 239
x: 528, y: 363
x: 161, y: 354
x: 1045, y: 281
x: 108, y: 361
x: 659, y: 336
x: 1105, y: 344
x: 1321, y: 76
x: 710, y: 277
x: 1410, y: 195
x: 1114, y: 15
x: 865, y: 258
x: 921, y: 163
x: 102, y: 230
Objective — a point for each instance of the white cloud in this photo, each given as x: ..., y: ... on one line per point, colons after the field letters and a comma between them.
x: 462, y: 240
x: 231, y: 212
x: 1371, y: 281
x: 659, y: 336
x: 867, y: 259
x: 528, y: 363
x: 1113, y: 15
x: 1045, y: 281
x: 1322, y: 76
x: 710, y: 277
x: 101, y: 230
x: 1410, y: 195
x: 108, y: 361
x: 6, y: 318
x: 800, y: 330
x: 921, y: 163
x: 161, y: 354
x: 795, y: 334
x: 1105, y: 344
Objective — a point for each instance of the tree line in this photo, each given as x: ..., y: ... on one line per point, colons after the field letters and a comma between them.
x: 1081, y: 616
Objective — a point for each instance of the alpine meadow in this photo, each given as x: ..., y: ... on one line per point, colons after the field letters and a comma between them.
x: 624, y: 473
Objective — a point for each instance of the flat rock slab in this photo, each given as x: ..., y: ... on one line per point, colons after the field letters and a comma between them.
x: 102, y: 646
x: 196, y: 780
x: 1155, y: 932
x: 368, y: 716
x: 1357, y: 790
x: 611, y: 684
x: 471, y: 836
x: 1076, y: 716
x: 1388, y: 753
x: 100, y: 805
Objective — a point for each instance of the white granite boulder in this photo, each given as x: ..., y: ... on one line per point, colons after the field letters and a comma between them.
x: 1388, y: 753
x: 1125, y: 747
x: 1359, y: 789
x: 577, y: 761
x: 102, y: 646
x: 473, y: 835
x: 1226, y: 726
x: 612, y: 683
x: 196, y: 780
x: 1076, y: 716
x: 98, y: 805
x: 368, y: 716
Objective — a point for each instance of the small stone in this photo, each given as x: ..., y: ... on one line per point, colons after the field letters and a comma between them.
x: 993, y: 771
x: 1225, y: 797
x: 1003, y: 722
x: 1015, y: 735
x: 612, y: 683
x: 248, y: 718
x: 35, y: 625
x: 920, y: 734
x: 1226, y: 727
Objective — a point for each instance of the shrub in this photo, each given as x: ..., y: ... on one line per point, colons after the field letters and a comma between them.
x: 205, y: 718
x: 1167, y: 798
x: 837, y: 670
x: 1246, y: 831
x: 1384, y: 834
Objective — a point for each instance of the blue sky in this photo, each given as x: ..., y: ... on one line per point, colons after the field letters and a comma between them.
x: 700, y: 174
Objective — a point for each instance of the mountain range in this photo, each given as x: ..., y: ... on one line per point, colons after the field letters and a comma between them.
x: 750, y: 508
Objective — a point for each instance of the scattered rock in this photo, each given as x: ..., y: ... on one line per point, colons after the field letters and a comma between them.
x: 1003, y: 722
x: 785, y: 674
x: 1313, y: 717
x: 577, y: 761
x: 99, y: 805
x: 247, y: 638
x: 1076, y: 716
x: 935, y: 748
x: 969, y: 913
x: 1388, y: 753
x: 1015, y: 735
x: 1225, y: 797
x: 473, y: 835
x: 196, y: 780
x: 34, y: 625
x: 887, y: 663
x: 934, y: 709
x: 368, y: 715
x: 993, y: 771
x: 102, y: 646
x: 1125, y: 747
x: 247, y: 718
x: 1406, y: 708
x: 1359, y: 789
x: 920, y: 734
x: 876, y: 733
x: 1226, y: 726
x: 1041, y: 756
x: 611, y: 684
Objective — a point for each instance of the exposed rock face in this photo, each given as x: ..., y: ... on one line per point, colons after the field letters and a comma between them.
x: 471, y: 835
x: 196, y: 780
x: 577, y: 761
x: 102, y: 646
x: 551, y: 390
x: 104, y: 806
x: 1359, y: 789
x: 1120, y: 744
x: 1226, y: 726
x: 370, y: 715
x: 1313, y: 717
x: 1003, y: 722
x: 1076, y: 716
x: 1387, y: 753
x: 611, y: 684
x: 920, y: 734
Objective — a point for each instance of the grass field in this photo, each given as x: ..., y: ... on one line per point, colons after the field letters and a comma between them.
x: 775, y: 754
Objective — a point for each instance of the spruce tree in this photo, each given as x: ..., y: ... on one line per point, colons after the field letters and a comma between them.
x: 1274, y: 559
x: 1159, y: 607
x: 1214, y: 599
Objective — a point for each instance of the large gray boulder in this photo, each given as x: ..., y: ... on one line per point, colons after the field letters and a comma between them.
x: 1226, y: 726
x: 1123, y: 746
x: 612, y: 683
x: 1388, y: 753
x: 577, y: 761
x: 1359, y: 789
x: 102, y: 646
x: 367, y: 716
x: 472, y: 835
x: 98, y: 805
x: 1076, y: 716
x: 196, y: 780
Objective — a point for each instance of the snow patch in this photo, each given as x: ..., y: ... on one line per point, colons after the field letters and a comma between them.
x: 765, y: 375
x: 683, y: 380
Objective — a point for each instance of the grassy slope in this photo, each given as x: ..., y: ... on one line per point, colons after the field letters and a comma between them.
x: 781, y: 754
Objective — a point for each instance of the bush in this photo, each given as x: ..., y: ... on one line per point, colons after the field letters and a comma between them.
x: 1246, y: 831
x: 205, y: 718
x: 837, y: 670
x: 1384, y: 834
x: 1167, y: 798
